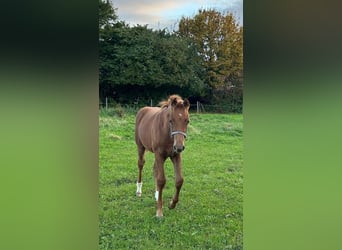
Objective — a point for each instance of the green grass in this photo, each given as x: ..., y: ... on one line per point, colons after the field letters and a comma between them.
x: 209, y: 213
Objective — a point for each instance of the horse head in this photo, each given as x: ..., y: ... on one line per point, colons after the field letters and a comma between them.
x: 179, y: 120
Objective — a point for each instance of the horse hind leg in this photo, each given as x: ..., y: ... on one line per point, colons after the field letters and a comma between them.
x: 141, y: 162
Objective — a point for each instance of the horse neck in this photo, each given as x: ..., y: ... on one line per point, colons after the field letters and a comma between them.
x: 164, y: 119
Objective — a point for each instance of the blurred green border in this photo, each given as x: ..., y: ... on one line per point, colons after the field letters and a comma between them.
x: 292, y: 126
x: 49, y: 125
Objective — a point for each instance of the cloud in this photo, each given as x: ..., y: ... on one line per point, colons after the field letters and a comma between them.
x: 149, y: 6
x: 159, y: 14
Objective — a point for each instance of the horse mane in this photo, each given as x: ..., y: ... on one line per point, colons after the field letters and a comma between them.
x: 167, y: 103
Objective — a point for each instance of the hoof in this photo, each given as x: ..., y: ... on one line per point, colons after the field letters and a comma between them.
x: 172, y: 205
x: 159, y: 214
x: 138, y: 194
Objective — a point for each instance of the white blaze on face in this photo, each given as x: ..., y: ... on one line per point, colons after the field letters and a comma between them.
x: 180, y: 114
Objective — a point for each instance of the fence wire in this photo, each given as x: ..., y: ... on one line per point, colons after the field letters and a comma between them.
x: 194, y: 107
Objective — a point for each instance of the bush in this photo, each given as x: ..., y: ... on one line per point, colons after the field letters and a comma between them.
x: 118, y: 110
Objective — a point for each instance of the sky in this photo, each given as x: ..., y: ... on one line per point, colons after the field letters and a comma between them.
x: 160, y: 14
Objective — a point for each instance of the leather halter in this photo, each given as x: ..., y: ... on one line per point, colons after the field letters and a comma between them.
x: 172, y: 133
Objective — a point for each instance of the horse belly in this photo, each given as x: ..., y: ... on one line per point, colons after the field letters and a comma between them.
x: 143, y: 128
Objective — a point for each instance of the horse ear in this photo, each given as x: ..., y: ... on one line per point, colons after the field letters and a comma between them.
x: 173, y: 101
x: 186, y: 103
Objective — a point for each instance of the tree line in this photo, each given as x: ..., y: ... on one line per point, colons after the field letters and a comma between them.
x: 202, y: 60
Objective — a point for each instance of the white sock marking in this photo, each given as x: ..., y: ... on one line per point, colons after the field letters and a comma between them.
x: 139, y: 188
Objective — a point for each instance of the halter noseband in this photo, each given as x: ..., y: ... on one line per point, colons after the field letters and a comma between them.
x: 178, y: 132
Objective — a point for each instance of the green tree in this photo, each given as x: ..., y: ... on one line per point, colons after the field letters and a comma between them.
x: 139, y: 62
x: 107, y: 17
x: 155, y: 62
x: 110, y: 30
x: 219, y: 42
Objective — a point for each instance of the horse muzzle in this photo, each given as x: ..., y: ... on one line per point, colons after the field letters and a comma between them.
x: 178, y: 145
x: 177, y: 149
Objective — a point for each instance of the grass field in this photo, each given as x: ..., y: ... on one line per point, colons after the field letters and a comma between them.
x: 209, y: 213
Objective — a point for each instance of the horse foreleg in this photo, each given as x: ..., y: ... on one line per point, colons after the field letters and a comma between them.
x: 160, y: 181
x: 141, y: 162
x: 176, y: 160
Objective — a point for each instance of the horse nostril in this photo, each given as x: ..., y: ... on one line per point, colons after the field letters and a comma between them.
x: 183, y: 148
x: 178, y: 150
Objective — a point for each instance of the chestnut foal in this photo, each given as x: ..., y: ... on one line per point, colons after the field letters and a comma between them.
x: 162, y: 131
